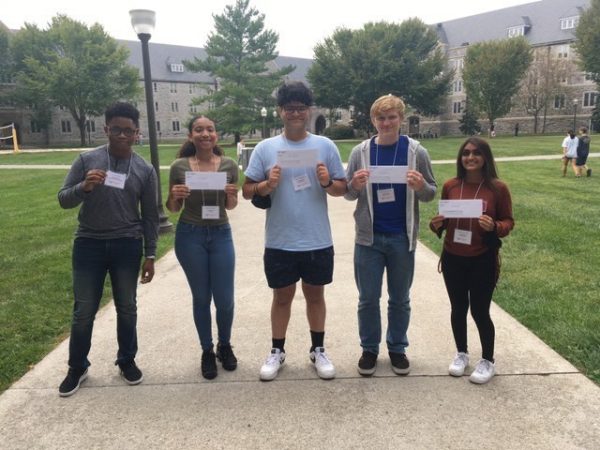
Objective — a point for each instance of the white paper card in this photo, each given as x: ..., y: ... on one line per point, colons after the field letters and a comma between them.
x: 210, y: 212
x: 388, y: 174
x: 209, y: 181
x: 115, y: 179
x: 461, y: 208
x: 301, y: 182
x: 294, y: 159
x: 385, y: 195
x: 463, y: 236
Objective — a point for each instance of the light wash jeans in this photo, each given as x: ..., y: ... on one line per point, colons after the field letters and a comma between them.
x: 207, y: 257
x: 92, y: 260
x: 389, y: 252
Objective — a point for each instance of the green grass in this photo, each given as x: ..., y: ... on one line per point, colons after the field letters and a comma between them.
x: 549, y: 280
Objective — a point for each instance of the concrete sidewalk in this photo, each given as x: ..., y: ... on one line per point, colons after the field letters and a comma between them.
x: 537, y: 400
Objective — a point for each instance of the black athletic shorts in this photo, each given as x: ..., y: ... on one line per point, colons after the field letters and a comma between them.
x: 284, y: 268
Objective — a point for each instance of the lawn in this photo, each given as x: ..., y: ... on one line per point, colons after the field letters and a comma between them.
x: 549, y: 280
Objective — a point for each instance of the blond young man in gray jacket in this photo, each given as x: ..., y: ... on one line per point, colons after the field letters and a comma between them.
x: 387, y: 225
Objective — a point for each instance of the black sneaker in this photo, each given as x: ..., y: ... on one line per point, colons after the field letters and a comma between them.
x: 131, y: 373
x: 208, y: 365
x: 72, y: 381
x: 226, y: 356
x: 367, y: 364
x: 400, y: 364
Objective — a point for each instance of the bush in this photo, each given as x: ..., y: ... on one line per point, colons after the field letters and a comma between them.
x: 339, y: 132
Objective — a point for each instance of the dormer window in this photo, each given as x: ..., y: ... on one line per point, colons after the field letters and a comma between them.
x: 568, y: 23
x: 516, y: 31
x: 176, y: 67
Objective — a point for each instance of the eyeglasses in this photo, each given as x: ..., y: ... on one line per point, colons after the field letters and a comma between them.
x: 116, y: 131
x: 297, y: 109
x: 467, y: 153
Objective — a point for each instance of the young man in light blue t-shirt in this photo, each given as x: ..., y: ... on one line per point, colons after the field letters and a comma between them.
x: 298, y: 242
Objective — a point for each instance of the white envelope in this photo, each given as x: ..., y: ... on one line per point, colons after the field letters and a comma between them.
x: 461, y: 208
x: 209, y: 181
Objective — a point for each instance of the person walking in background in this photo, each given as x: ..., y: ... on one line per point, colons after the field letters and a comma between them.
x: 387, y: 225
x: 298, y: 241
x: 583, y: 150
x: 118, y: 221
x: 470, y: 257
x: 569, y: 147
x: 203, y: 240
x: 239, y: 149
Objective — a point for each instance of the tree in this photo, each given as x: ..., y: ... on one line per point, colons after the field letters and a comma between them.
x: 546, y: 79
x: 239, y: 52
x: 493, y: 72
x: 361, y: 65
x: 468, y: 122
x: 588, y: 40
x: 70, y: 65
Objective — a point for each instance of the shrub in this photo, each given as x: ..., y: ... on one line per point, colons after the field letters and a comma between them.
x: 336, y: 132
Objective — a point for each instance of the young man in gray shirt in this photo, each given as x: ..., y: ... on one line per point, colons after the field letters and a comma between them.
x: 118, y: 220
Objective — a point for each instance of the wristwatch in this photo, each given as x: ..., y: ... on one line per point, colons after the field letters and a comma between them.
x: 328, y: 184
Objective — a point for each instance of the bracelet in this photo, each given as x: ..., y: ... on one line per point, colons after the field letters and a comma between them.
x: 328, y: 184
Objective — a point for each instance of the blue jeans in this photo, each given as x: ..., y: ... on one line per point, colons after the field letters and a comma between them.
x: 92, y: 260
x: 389, y: 252
x: 207, y: 257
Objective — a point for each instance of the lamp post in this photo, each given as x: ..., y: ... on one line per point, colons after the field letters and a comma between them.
x: 575, y: 102
x: 274, y: 121
x: 143, y: 21
x: 263, y: 114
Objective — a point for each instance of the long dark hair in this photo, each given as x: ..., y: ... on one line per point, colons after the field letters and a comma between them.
x: 489, y: 170
x: 187, y: 148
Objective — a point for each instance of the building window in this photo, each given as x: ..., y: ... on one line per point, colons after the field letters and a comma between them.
x: 176, y: 67
x: 192, y: 88
x: 173, y: 88
x: 559, y: 101
x: 589, y: 99
x: 174, y: 107
x: 569, y: 23
x: 65, y: 126
x: 35, y: 127
x: 516, y: 31
x: 457, y: 86
x: 176, y: 125
x: 155, y: 106
x: 155, y: 86
x: 532, y: 102
x: 158, y: 125
x: 563, y: 51
x: 457, y: 107
x: 193, y: 109
x: 90, y: 126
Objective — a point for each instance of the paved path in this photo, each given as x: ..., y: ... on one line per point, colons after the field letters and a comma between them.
x: 537, y: 401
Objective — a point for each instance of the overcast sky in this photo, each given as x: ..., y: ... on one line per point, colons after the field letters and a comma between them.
x: 301, y: 24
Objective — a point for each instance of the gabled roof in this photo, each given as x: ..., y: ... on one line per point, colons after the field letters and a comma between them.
x: 541, y: 20
x: 163, y: 55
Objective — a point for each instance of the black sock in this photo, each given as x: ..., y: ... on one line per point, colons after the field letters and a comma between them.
x: 279, y: 343
x: 317, y: 338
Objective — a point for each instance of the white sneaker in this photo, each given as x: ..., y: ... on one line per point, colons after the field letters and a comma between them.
x: 484, y: 371
x: 324, y: 366
x: 459, y: 364
x: 270, y: 368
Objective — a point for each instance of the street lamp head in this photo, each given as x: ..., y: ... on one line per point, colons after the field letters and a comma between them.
x: 263, y: 112
x: 274, y: 114
x: 575, y: 101
x: 143, y: 21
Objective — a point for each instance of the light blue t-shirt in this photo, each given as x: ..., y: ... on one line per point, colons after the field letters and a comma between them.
x: 297, y: 219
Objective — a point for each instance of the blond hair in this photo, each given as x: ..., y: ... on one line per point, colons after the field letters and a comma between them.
x: 387, y: 103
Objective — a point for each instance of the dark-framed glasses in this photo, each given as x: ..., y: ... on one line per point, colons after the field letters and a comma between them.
x: 116, y: 131
x: 295, y: 109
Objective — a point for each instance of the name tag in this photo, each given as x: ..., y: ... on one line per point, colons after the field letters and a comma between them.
x: 301, y: 182
x: 210, y: 212
x: 114, y: 179
x: 386, y: 195
x: 463, y: 236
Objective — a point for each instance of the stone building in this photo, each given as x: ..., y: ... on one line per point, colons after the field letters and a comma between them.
x: 549, y: 26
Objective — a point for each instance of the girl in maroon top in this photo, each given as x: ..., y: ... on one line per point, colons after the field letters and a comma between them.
x: 470, y: 259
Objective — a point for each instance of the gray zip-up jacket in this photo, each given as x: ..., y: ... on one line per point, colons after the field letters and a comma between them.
x: 418, y: 159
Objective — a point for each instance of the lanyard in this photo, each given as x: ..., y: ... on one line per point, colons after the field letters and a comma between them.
x: 474, y: 198
x: 128, y: 165
x: 377, y: 156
